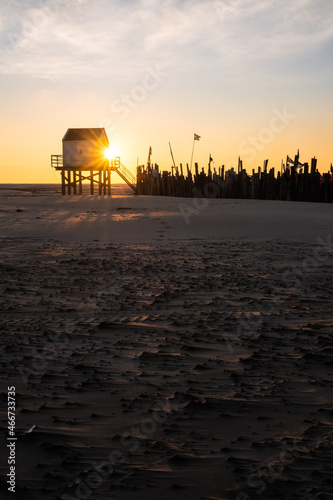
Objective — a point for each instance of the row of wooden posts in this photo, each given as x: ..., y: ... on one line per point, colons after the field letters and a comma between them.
x: 73, y: 179
x: 292, y: 183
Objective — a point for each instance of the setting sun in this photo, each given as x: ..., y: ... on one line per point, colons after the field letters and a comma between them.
x: 110, y: 152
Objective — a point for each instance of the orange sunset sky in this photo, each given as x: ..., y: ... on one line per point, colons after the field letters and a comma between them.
x: 252, y: 78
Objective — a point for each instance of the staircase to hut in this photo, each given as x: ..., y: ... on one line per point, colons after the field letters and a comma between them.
x: 124, y: 173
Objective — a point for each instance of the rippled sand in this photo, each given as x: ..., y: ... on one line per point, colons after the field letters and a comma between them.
x: 160, y: 359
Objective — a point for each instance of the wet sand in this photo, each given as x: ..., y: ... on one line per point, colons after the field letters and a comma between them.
x: 167, y: 348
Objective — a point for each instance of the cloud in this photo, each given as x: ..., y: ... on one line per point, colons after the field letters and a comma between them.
x: 116, y: 40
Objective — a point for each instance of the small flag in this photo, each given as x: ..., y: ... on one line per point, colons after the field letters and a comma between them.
x: 299, y: 164
x: 211, y: 159
x: 289, y: 160
x: 150, y: 151
x: 197, y: 137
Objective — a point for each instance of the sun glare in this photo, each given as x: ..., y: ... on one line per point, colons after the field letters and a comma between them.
x: 110, y: 152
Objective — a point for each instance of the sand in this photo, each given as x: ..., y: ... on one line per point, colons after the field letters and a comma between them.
x: 166, y: 348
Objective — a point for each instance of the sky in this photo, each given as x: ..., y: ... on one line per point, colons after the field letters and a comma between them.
x: 253, y: 78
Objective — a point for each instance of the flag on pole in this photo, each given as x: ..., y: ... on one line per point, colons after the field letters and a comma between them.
x: 289, y: 160
x: 197, y: 137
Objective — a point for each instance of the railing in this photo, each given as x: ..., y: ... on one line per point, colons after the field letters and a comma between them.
x: 56, y: 161
x: 115, y: 162
x: 124, y: 173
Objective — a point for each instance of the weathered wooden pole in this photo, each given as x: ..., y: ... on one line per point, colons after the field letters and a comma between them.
x: 109, y: 181
x: 80, y: 182
x: 63, y: 183
x: 313, y: 179
x: 91, y: 182
x: 104, y: 181
x: 74, y: 181
x: 99, y: 182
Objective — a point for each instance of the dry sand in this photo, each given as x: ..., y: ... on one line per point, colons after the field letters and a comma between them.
x: 167, y: 348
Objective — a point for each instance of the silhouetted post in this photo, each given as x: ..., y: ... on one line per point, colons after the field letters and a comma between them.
x: 99, y: 182
x: 109, y: 181
x: 80, y: 182
x: 313, y: 178
x: 74, y: 182
x: 91, y: 182
x: 104, y: 181
x: 63, y: 183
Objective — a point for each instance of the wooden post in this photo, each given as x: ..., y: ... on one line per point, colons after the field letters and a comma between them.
x: 74, y: 181
x: 91, y: 182
x: 63, y: 183
x: 313, y: 179
x: 99, y: 182
x: 69, y: 182
x: 80, y: 182
x: 313, y: 165
x: 109, y: 181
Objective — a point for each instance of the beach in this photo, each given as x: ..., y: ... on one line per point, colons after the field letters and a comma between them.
x: 166, y: 347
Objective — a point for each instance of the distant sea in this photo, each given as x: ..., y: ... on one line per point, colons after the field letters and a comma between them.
x: 55, y: 189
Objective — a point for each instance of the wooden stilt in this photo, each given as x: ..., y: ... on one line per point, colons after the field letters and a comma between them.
x: 91, y: 182
x: 69, y: 185
x: 74, y: 182
x: 104, y: 181
x: 80, y: 182
x: 109, y: 181
x: 99, y: 182
x: 63, y: 183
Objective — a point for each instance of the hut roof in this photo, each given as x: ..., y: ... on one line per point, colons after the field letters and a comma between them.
x: 87, y: 134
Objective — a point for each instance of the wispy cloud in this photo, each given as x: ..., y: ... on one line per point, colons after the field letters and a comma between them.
x: 76, y: 39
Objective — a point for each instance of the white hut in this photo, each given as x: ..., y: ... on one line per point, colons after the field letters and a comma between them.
x: 84, y: 148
